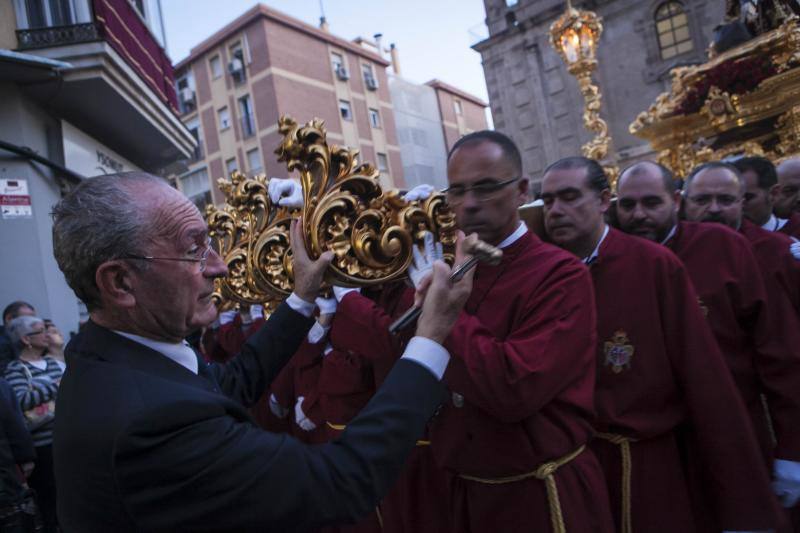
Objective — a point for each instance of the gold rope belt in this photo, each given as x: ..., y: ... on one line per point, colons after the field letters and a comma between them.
x: 624, y: 444
x: 341, y: 427
x: 544, y: 472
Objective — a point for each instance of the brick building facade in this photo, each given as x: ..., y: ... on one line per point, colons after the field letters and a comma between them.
x: 233, y: 87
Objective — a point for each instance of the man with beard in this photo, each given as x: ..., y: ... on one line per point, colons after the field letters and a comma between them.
x: 658, y: 368
x: 731, y: 289
x: 787, y: 202
x: 513, y: 434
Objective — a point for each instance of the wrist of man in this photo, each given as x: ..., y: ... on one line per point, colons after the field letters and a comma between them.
x: 302, y: 305
x: 432, y: 331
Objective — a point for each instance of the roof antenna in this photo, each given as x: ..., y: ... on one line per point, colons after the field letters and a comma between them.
x: 323, y: 22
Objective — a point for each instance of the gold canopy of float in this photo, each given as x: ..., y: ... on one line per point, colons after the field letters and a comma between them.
x: 745, y: 101
x: 371, y: 230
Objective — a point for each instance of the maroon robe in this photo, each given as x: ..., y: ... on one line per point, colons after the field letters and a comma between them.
x: 763, y: 357
x: 777, y: 263
x: 365, y: 353
x: 792, y: 226
x: 521, y: 377
x: 659, y: 368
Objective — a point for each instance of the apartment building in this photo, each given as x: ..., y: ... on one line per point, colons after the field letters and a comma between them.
x: 430, y: 118
x: 85, y: 89
x: 233, y: 87
x: 460, y: 112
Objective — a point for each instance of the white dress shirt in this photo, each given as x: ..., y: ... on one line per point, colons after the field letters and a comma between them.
x: 774, y: 223
x: 593, y: 256
x: 180, y: 352
x: 521, y: 230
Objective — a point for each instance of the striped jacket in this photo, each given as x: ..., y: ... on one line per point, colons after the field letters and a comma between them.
x: 34, y: 387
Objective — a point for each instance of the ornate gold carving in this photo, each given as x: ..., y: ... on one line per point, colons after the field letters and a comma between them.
x: 788, y: 129
x: 763, y: 120
x: 345, y: 210
x: 719, y: 107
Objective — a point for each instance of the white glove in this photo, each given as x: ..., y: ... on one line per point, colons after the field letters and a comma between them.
x: 285, y: 192
x: 328, y: 349
x: 420, y: 192
x: 422, y: 263
x: 301, y: 418
x: 795, y: 249
x: 317, y: 333
x: 327, y: 306
x: 786, y: 481
x: 340, y: 292
x: 276, y: 408
x: 226, y: 317
x: 256, y: 311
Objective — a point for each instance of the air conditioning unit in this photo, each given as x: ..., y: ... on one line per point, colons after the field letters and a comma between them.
x: 236, y: 69
x: 372, y: 83
x: 187, y: 95
x: 235, y: 65
x: 342, y: 73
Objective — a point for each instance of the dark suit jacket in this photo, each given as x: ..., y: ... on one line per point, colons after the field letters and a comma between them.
x: 142, y: 444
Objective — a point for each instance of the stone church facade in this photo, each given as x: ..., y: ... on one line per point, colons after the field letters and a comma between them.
x: 536, y: 101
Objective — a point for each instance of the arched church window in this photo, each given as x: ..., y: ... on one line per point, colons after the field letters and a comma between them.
x: 672, y: 26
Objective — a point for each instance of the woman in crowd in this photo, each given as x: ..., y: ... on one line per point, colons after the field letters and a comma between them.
x: 34, y: 377
x: 55, y: 343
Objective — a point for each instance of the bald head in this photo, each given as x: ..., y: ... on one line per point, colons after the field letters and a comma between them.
x: 787, y: 199
x: 650, y: 168
x: 714, y: 192
x: 646, y: 201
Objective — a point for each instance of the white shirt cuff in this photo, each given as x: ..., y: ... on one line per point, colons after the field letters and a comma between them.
x: 301, y: 306
x: 429, y: 354
x: 317, y: 333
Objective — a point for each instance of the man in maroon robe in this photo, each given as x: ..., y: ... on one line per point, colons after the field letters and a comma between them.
x: 787, y: 202
x: 732, y: 292
x: 658, y: 369
x: 363, y: 354
x: 513, y: 434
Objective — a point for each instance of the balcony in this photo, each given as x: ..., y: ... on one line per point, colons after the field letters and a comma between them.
x: 198, y: 153
x: 57, y: 35
x: 248, y: 123
x: 119, y: 85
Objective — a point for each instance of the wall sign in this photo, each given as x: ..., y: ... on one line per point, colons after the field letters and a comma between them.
x: 15, y: 202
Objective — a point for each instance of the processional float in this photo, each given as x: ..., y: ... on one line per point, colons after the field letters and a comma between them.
x: 370, y: 230
x: 744, y: 101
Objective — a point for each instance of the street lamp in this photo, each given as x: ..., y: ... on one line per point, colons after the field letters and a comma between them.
x: 574, y: 35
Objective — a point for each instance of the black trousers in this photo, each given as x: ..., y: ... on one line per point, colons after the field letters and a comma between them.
x: 43, y: 481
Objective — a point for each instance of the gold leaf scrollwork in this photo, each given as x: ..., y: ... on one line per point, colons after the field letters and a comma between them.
x: 371, y: 231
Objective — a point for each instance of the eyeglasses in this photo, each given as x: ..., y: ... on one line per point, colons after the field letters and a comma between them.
x: 483, y: 192
x: 32, y: 333
x: 203, y: 259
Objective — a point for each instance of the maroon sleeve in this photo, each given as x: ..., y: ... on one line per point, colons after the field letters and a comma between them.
x: 726, y: 444
x: 515, y: 377
x: 230, y: 337
x: 362, y: 326
x: 777, y: 335
x: 282, y: 386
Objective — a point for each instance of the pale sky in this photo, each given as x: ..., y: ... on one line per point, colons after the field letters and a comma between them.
x: 432, y: 36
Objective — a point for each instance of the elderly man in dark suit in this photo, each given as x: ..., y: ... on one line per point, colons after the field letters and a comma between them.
x: 149, y: 438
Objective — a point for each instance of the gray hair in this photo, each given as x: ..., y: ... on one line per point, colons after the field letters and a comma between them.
x: 20, y: 327
x: 100, y: 220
